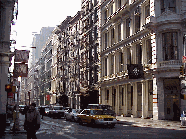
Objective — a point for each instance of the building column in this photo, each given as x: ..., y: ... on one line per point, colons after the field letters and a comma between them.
x: 135, y: 100
x: 103, y: 93
x: 158, y: 99
x: 144, y: 99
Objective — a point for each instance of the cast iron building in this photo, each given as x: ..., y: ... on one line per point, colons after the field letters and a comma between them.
x: 141, y: 53
x: 89, y: 51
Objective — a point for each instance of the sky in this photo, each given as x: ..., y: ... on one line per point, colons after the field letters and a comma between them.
x: 35, y: 14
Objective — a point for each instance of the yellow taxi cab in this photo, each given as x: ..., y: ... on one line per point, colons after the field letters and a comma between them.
x: 96, y: 116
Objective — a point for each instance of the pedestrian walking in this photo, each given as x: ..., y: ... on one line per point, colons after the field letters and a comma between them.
x: 32, y: 121
x: 42, y: 111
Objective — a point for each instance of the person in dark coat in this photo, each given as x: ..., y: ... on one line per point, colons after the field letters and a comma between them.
x: 42, y: 111
x: 32, y: 121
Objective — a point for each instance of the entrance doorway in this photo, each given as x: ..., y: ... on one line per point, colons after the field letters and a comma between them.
x: 114, y: 98
x: 129, y: 99
x: 172, y: 99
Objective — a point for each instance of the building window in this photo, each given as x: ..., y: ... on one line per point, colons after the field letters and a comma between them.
x: 107, y: 95
x: 170, y: 47
x: 119, y: 32
x: 105, y: 40
x: 111, y: 9
x: 121, y: 62
x: 119, y: 4
x: 128, y: 27
x: 121, y: 95
x: 150, y: 95
x: 147, y: 10
x: 105, y: 66
x: 149, y: 51
x: 128, y: 56
x: 105, y: 14
x: 138, y: 54
x: 112, y: 36
x: 170, y: 4
x: 112, y: 64
x: 137, y: 22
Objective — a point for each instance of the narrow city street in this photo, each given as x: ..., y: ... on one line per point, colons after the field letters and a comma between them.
x: 60, y: 128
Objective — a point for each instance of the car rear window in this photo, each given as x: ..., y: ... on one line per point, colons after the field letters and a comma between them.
x: 58, y: 108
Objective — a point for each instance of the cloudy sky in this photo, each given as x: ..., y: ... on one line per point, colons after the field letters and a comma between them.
x: 35, y: 14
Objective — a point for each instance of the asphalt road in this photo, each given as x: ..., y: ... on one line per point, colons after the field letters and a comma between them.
x: 59, y: 128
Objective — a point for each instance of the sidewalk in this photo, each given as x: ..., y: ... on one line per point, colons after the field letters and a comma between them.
x: 139, y: 122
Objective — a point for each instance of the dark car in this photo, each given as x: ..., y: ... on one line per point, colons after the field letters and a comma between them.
x: 56, y: 111
x: 46, y: 111
x: 21, y: 108
x: 107, y: 108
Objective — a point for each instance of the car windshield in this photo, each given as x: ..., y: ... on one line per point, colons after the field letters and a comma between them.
x: 21, y: 106
x: 106, y: 107
x: 98, y: 112
x: 46, y: 109
x: 58, y: 108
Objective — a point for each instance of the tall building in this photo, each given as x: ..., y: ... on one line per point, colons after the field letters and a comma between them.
x: 90, y: 52
x: 6, y: 19
x: 141, y: 54
x: 39, y: 41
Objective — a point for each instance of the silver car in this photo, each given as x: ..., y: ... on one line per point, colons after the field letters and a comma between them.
x: 71, y: 114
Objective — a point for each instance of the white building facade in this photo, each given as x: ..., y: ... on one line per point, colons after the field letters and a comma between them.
x: 147, y: 34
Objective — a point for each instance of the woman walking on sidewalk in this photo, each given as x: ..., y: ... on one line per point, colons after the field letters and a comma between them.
x: 32, y: 121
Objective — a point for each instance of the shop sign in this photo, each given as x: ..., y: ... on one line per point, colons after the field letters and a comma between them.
x: 21, y: 56
x: 20, y: 69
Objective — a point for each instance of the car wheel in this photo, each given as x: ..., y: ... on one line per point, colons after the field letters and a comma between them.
x: 112, y: 126
x: 65, y: 118
x: 93, y: 122
x: 80, y: 121
x: 72, y: 119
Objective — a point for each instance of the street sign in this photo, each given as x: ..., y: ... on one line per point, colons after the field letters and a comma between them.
x: 183, y: 59
x: 21, y: 56
x: 20, y: 70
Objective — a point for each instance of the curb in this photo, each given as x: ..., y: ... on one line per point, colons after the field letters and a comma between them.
x: 16, y: 132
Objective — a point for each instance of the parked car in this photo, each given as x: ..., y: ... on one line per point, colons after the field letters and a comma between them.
x: 96, y: 116
x: 21, y: 108
x: 56, y: 111
x: 71, y: 114
x: 107, y: 108
x: 46, y: 111
x: 42, y: 110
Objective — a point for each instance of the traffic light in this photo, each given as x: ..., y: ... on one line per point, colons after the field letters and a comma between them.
x: 182, y: 70
x: 183, y: 96
x: 8, y: 88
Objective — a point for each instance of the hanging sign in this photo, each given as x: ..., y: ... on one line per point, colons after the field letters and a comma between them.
x: 20, y: 70
x: 135, y: 71
x: 21, y: 56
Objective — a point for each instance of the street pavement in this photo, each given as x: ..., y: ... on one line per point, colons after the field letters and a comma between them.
x: 127, y: 127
